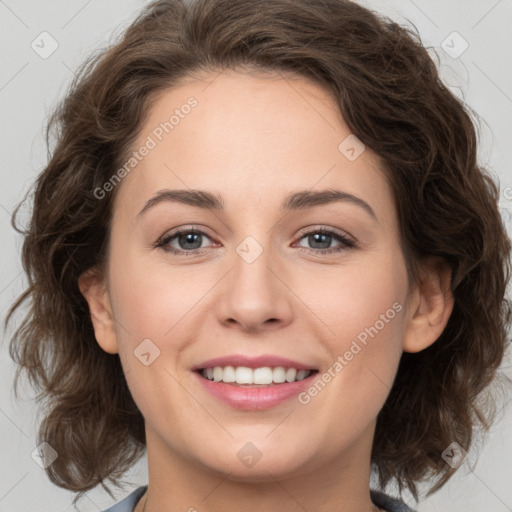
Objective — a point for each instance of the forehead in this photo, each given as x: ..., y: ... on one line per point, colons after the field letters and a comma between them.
x: 249, y: 137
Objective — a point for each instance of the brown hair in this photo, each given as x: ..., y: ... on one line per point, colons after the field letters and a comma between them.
x: 390, y: 95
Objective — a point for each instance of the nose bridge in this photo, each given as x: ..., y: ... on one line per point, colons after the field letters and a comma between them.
x: 252, y: 295
x: 251, y: 263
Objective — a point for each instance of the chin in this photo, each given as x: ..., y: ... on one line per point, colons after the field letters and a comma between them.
x: 251, y: 465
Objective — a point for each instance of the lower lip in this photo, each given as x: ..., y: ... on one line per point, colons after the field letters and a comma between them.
x: 255, y: 398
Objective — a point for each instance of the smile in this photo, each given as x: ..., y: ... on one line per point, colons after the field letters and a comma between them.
x: 263, y: 376
x: 254, y: 389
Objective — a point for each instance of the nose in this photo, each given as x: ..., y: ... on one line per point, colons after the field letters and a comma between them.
x: 254, y: 296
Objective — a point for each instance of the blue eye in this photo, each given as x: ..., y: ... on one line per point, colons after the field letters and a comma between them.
x: 320, y: 241
x: 190, y: 241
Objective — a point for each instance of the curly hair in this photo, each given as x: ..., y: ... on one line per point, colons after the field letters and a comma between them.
x: 388, y: 90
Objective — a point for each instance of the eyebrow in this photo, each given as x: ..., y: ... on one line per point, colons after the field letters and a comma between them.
x: 294, y: 201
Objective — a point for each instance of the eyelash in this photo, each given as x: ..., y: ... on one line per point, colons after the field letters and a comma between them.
x: 346, y: 243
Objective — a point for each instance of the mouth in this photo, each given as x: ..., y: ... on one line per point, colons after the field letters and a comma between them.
x: 265, y: 376
x: 254, y: 388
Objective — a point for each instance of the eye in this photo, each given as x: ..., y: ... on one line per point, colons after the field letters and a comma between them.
x: 320, y: 241
x: 191, y: 241
x: 183, y: 241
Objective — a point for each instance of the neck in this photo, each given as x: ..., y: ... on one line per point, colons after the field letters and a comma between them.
x: 329, y: 483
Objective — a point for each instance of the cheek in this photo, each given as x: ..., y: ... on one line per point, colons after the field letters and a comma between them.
x: 362, y: 300
x: 151, y: 299
x: 364, y: 308
x: 156, y: 303
x: 372, y: 307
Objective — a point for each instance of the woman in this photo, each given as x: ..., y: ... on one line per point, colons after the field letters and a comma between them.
x: 264, y: 251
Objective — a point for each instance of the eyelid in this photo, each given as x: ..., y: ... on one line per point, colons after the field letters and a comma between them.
x: 165, y: 238
x: 315, y: 228
x: 346, y: 240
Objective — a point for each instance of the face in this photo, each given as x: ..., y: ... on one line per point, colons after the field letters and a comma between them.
x: 276, y: 277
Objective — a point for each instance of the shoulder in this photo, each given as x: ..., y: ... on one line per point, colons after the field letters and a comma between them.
x: 128, y: 503
x: 388, y: 503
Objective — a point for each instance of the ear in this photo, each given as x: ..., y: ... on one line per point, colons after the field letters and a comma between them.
x: 93, y: 287
x: 430, y: 307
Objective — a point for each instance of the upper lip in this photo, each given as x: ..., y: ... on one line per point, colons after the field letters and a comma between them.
x: 253, y: 362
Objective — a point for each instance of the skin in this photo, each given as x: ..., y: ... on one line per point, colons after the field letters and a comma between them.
x: 254, y: 139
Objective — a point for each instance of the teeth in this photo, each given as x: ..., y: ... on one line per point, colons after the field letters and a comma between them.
x: 302, y: 374
x: 261, y: 376
x: 243, y: 375
x: 279, y: 375
x: 291, y: 373
x: 229, y: 374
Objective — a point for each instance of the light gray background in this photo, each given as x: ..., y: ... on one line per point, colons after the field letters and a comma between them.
x: 30, y: 86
